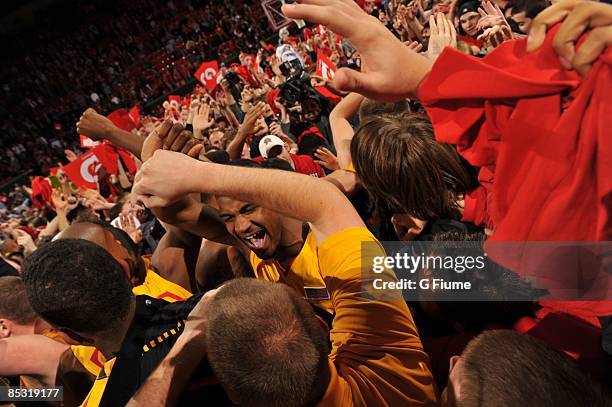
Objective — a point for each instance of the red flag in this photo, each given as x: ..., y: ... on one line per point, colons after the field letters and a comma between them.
x: 121, y: 118
x: 86, y: 142
x: 84, y: 170
x: 175, y: 101
x: 325, y: 68
x: 128, y: 160
x: 207, y: 74
x: 108, y: 157
x: 134, y: 114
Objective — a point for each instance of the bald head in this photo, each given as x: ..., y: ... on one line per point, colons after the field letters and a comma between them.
x: 266, y: 345
x: 103, y: 234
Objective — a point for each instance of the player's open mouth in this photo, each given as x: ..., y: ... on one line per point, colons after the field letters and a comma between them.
x: 256, y: 240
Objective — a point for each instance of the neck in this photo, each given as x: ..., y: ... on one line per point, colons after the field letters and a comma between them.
x: 109, y: 343
x: 39, y: 326
x: 291, y: 243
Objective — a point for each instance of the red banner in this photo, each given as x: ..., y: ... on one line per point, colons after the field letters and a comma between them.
x: 121, y: 118
x: 207, y: 74
x: 175, y: 101
x: 84, y: 170
x: 325, y: 68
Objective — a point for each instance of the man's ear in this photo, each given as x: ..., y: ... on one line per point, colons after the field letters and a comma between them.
x: 5, y: 328
x: 453, y: 362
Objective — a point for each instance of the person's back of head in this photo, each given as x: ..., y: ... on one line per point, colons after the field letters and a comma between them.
x: 509, y: 369
x: 276, y: 163
x: 77, y: 285
x: 266, y: 345
x: 405, y: 170
x: 14, y: 305
x: 372, y: 108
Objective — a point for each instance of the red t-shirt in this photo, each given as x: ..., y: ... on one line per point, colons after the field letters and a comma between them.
x: 541, y: 135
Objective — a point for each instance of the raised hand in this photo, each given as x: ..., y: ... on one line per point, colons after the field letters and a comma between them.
x: 94, y: 125
x: 128, y: 225
x: 165, y: 179
x: 327, y: 159
x: 70, y: 155
x: 250, y: 120
x: 24, y: 240
x: 495, y: 36
x: 276, y: 130
x: 491, y: 16
x: 582, y: 16
x: 171, y: 137
x: 414, y: 46
x: 390, y: 71
x: 201, y: 120
x: 62, y: 203
x: 443, y: 34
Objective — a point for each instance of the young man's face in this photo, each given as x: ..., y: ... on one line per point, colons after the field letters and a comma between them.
x: 524, y: 22
x: 216, y: 139
x: 258, y: 228
x: 469, y: 23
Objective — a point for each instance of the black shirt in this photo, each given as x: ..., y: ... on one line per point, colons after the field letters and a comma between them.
x: 156, y: 326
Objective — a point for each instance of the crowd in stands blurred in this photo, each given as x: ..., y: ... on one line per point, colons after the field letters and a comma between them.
x: 206, y: 195
x: 107, y: 55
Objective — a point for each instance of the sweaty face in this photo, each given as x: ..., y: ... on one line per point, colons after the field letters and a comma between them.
x: 258, y: 228
x: 469, y: 22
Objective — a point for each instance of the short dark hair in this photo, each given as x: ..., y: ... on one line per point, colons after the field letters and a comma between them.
x: 120, y: 235
x: 244, y: 162
x: 507, y: 369
x: 372, y: 108
x: 531, y: 7
x: 76, y: 284
x: 14, y: 304
x: 405, y: 170
x: 266, y: 345
x: 276, y: 163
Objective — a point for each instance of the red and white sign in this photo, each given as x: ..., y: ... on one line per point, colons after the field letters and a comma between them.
x: 84, y: 170
x: 207, y: 74
x: 325, y: 68
x: 86, y: 142
x: 175, y: 101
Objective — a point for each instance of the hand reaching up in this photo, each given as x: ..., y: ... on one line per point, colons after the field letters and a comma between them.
x: 443, y: 34
x: 94, y: 125
x: 390, y: 71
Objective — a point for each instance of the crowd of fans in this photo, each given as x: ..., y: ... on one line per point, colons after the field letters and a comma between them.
x: 222, y: 255
x: 107, y: 55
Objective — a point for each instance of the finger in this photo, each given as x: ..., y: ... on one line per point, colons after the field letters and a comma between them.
x: 576, y: 23
x: 163, y: 129
x: 440, y: 23
x: 482, y: 12
x: 432, y: 25
x: 318, y: 14
x: 590, y: 50
x: 174, y: 133
x: 181, y: 140
x: 194, y: 152
x: 189, y: 145
x: 546, y: 19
